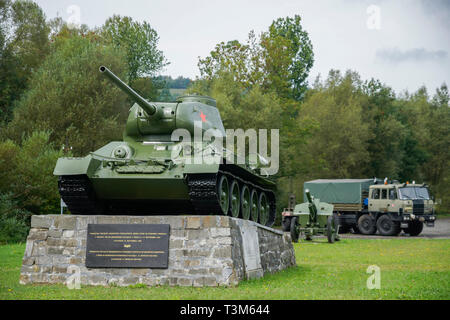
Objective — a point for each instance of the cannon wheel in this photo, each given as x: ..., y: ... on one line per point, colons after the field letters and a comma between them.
x: 295, y: 229
x: 286, y: 224
x: 331, y: 229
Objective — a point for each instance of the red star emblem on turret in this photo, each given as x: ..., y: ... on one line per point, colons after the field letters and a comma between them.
x: 203, y: 117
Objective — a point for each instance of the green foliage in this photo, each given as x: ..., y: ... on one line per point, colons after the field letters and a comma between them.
x: 287, y: 40
x: 178, y: 83
x: 278, y: 60
x: 165, y: 95
x: 339, y: 146
x: 14, y: 221
x: 139, y: 40
x: 170, y: 89
x: 436, y: 142
x: 27, y: 172
x: 69, y: 97
x: 146, y: 87
x: 23, y: 46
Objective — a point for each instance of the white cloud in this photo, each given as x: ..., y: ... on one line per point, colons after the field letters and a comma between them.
x: 395, y: 55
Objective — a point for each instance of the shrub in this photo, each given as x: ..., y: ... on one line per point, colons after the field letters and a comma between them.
x: 27, y: 173
x: 14, y: 221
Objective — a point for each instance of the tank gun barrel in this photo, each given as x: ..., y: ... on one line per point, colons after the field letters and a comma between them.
x: 149, y: 108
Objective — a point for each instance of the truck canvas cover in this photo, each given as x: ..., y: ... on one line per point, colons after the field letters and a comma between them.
x: 338, y: 191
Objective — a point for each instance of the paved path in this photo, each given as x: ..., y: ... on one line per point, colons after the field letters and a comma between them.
x: 441, y: 230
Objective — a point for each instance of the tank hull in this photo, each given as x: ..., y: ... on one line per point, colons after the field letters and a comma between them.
x: 97, y: 185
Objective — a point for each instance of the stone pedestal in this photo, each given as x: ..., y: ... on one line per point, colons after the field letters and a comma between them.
x: 203, y: 251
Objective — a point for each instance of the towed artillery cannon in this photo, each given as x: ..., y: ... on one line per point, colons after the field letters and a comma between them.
x: 314, y: 218
x: 150, y: 172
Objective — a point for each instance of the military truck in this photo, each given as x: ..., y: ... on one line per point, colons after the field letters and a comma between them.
x: 371, y: 205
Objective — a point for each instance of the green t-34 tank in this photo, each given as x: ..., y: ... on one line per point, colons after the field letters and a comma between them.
x: 150, y: 173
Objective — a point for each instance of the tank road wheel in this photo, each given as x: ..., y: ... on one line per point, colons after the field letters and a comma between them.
x: 254, y: 205
x: 387, y: 227
x: 245, y: 202
x: 366, y: 225
x: 295, y: 229
x: 264, y: 209
x: 235, y: 199
x: 224, y: 194
x: 332, y: 227
x: 414, y: 228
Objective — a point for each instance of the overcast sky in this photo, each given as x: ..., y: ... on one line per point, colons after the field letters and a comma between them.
x: 404, y: 43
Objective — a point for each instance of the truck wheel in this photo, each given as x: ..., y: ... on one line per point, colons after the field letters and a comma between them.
x: 414, y: 228
x: 387, y: 227
x: 366, y: 225
x: 286, y: 224
x: 295, y: 229
x: 331, y: 229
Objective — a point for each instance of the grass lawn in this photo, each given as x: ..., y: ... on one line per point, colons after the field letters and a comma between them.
x: 410, y: 269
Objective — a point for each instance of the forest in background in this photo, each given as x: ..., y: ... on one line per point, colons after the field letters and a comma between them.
x: 54, y: 102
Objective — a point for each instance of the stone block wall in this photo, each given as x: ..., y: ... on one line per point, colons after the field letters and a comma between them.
x: 203, y: 251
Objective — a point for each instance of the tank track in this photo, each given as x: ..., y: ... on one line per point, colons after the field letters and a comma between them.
x: 204, y: 195
x: 78, y: 195
x: 80, y: 198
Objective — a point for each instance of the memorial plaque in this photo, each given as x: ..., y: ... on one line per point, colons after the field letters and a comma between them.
x: 127, y: 246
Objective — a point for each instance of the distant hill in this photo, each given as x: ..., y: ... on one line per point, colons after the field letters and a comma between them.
x: 172, y: 88
x: 178, y: 83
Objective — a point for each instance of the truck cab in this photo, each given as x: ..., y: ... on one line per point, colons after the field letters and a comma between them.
x: 404, y: 206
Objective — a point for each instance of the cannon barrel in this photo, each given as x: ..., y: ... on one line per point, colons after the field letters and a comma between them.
x: 149, y: 108
x: 312, y: 207
x: 308, y: 196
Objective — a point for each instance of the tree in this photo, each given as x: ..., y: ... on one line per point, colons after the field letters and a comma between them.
x: 23, y: 46
x: 386, y: 147
x: 139, y: 41
x: 437, y: 145
x: 338, y: 148
x: 70, y: 98
x: 288, y: 35
x: 27, y: 173
x: 279, y: 59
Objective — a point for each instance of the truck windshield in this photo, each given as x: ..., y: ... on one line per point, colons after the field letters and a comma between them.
x: 414, y: 193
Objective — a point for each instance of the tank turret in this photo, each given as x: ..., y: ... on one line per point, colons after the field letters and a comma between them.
x: 147, y: 119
